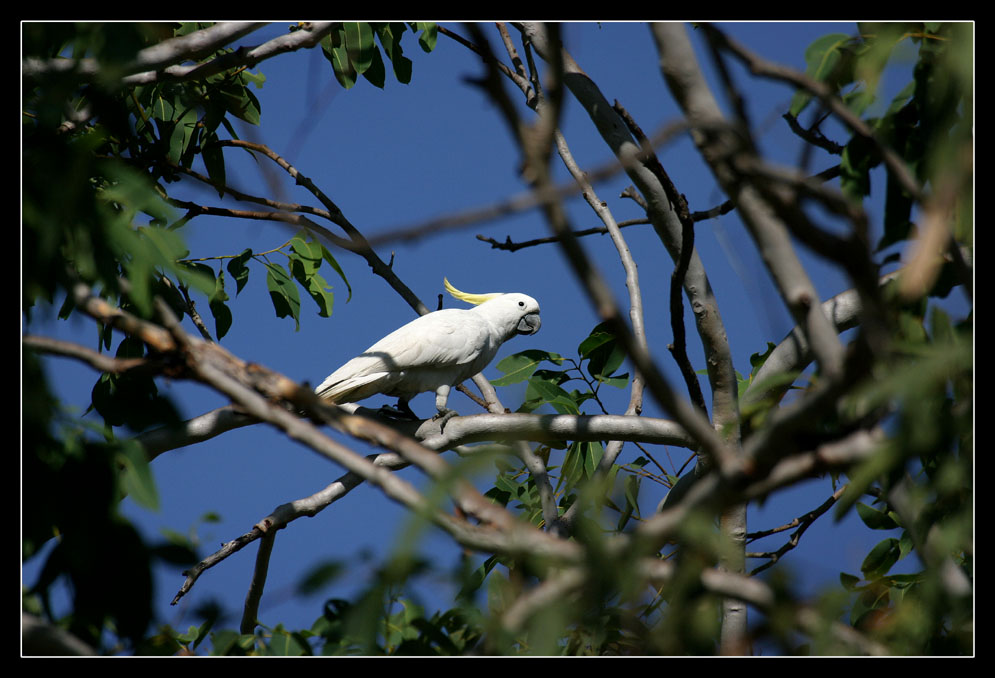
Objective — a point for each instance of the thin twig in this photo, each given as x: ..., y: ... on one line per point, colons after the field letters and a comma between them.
x: 813, y: 136
x: 802, y: 522
x: 510, y: 246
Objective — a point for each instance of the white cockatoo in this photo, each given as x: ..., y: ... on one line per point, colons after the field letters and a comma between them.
x: 434, y: 352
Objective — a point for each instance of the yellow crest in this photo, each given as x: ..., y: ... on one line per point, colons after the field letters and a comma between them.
x: 466, y: 296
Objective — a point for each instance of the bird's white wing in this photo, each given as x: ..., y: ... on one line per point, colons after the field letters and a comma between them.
x: 431, y: 350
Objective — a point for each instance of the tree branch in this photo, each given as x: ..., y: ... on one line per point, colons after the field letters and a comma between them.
x: 680, y: 70
x: 678, y: 348
x: 250, y: 611
x: 147, y: 67
x: 802, y: 522
x: 621, y: 143
x: 759, y: 66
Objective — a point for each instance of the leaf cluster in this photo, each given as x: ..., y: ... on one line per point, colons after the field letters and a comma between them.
x: 98, y: 160
x: 925, y: 122
x: 352, y: 50
x: 599, y: 358
x: 921, y: 479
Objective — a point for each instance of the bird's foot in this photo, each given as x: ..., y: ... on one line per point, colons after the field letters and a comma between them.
x: 402, y: 412
x: 443, y: 416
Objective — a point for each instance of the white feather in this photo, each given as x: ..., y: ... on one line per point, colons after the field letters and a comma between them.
x: 433, y: 352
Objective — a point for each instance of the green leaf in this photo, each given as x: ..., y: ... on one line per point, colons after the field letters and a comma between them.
x: 678, y: 490
x: 617, y: 381
x: 905, y: 544
x: 581, y: 461
x: 181, y: 135
x: 257, y: 79
x: 900, y: 100
x: 359, y: 44
x: 429, y: 35
x: 330, y: 260
x: 305, y: 261
x: 880, y: 559
x: 322, y: 295
x: 390, y: 38
x: 603, y: 352
x: 136, y: 475
x: 337, y: 53
x: 875, y: 519
x: 858, y: 100
x: 307, y: 256
x: 520, y: 366
x: 822, y: 58
x: 849, y: 581
x: 283, y: 293
x: 238, y: 270
x: 897, y: 213
x: 197, y: 634
x: 552, y: 394
x: 858, y: 158
x: 162, y: 108
x: 389, y: 35
x: 220, y: 311
x: 758, y: 359
x: 131, y: 400
x: 243, y: 104
x: 239, y: 101
x: 214, y: 161
x: 899, y: 128
x: 630, y: 484
x: 599, y: 336
x: 376, y: 74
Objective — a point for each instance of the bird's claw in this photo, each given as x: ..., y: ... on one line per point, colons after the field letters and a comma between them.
x: 401, y: 412
x: 443, y: 416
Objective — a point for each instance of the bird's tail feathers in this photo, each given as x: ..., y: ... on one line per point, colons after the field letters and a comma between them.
x: 344, y: 390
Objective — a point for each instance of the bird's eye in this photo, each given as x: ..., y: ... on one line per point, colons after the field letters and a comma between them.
x: 521, y: 303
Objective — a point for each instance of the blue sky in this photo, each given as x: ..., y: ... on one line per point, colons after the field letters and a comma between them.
x: 405, y: 154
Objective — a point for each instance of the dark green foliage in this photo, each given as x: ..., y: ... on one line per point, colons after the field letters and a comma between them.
x: 96, y: 211
x: 71, y: 485
x: 352, y: 50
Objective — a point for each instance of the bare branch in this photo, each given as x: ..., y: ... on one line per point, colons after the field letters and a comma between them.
x: 250, y: 611
x: 722, y: 376
x: 41, y: 639
x: 802, y: 522
x: 680, y: 69
x: 307, y: 35
x: 160, y: 56
x: 813, y: 136
x: 510, y: 246
x: 193, y: 431
x: 97, y: 360
x: 356, y: 242
x: 678, y: 348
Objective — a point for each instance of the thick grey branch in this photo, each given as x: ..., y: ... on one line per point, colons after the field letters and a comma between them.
x: 680, y: 69
x: 793, y: 354
x: 722, y: 376
x: 458, y: 430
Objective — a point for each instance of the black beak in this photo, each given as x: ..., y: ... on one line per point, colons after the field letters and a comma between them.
x: 529, y: 324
